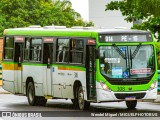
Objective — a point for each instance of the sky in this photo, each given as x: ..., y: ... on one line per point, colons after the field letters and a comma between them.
x: 81, y: 6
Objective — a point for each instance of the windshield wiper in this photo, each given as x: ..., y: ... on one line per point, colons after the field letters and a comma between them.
x: 119, y: 51
x: 136, y: 51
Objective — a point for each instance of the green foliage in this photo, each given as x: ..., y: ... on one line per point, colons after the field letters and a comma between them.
x: 2, y: 24
x: 23, y: 13
x: 146, y: 10
x: 147, y: 7
x: 130, y: 11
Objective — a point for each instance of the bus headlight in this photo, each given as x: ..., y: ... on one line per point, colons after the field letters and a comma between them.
x: 153, y: 85
x: 104, y: 86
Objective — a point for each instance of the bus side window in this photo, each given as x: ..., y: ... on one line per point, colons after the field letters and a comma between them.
x: 36, y: 49
x: 77, y: 51
x: 8, y: 49
x: 63, y: 50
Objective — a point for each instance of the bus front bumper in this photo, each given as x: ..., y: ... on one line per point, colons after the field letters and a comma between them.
x: 104, y: 96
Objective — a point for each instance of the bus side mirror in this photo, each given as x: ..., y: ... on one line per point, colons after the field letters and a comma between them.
x: 96, y: 53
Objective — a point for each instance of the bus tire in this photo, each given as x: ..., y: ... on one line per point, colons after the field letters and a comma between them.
x: 32, y: 99
x: 81, y: 103
x: 131, y: 104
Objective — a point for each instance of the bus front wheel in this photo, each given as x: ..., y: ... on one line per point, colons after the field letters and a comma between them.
x: 32, y: 99
x: 82, y: 104
x: 131, y: 104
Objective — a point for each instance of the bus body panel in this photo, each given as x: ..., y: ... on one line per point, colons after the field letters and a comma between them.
x: 35, y: 72
x: 48, y: 81
x: 8, y: 80
x: 12, y: 75
x: 19, y: 81
x: 64, y: 78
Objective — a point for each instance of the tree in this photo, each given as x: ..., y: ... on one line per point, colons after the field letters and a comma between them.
x: 23, y: 13
x: 147, y: 10
x: 151, y: 7
x: 2, y: 24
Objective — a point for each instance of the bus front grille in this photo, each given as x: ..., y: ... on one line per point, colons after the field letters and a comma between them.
x: 123, y: 95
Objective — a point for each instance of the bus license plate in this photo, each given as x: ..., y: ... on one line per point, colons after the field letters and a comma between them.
x: 130, y: 98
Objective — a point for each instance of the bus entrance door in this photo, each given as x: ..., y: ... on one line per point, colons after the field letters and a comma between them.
x: 47, y: 59
x: 18, y: 59
x: 91, y: 72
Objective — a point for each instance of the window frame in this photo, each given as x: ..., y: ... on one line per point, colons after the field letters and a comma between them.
x: 8, y: 48
x: 85, y: 39
x: 30, y: 49
x: 77, y: 51
x: 57, y: 47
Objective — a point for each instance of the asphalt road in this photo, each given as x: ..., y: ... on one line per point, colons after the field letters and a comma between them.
x: 63, y: 109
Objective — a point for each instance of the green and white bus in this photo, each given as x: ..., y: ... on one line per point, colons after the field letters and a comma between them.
x: 82, y: 64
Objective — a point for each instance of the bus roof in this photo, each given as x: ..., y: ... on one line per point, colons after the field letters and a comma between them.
x: 73, y: 32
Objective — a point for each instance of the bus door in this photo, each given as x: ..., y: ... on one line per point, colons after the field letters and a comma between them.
x: 18, y: 59
x: 91, y: 72
x: 47, y: 59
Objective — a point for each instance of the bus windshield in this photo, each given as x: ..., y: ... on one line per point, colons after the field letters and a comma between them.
x: 127, y: 61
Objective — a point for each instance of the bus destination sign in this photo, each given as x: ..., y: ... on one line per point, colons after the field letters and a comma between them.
x: 125, y: 38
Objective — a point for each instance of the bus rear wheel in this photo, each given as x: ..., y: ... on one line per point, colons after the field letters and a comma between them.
x: 131, y: 104
x: 32, y: 99
x: 81, y: 103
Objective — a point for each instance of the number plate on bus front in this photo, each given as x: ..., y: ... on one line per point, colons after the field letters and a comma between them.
x: 130, y: 98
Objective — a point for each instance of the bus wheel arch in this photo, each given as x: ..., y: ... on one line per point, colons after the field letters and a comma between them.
x: 29, y: 79
x: 76, y: 84
x: 31, y: 96
x: 32, y: 99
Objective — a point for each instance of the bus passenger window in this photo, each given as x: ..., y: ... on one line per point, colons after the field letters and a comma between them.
x: 36, y: 50
x: 63, y: 50
x: 9, y: 46
x: 77, y: 51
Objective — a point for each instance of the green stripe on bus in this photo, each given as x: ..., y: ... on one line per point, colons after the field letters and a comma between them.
x: 9, y: 62
x: 51, y: 33
x: 34, y: 64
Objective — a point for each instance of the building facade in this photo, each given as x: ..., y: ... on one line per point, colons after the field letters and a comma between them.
x: 106, y: 19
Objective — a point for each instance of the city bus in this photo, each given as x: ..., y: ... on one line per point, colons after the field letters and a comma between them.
x: 85, y: 65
